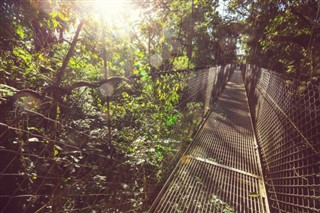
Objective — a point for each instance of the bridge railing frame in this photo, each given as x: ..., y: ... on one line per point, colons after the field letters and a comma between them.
x: 286, y: 115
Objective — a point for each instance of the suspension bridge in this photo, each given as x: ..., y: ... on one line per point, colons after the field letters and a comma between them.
x: 256, y: 150
x: 221, y: 171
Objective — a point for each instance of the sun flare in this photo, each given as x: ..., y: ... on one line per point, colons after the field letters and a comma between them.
x: 114, y: 11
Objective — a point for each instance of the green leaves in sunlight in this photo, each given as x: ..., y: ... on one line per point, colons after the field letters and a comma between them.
x: 20, y: 32
x: 171, y: 120
x: 143, y: 73
x: 23, y: 54
x: 159, y: 154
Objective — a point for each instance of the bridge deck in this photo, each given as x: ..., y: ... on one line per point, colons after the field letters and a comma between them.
x: 220, y: 172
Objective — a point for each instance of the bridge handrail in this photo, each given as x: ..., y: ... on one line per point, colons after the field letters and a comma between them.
x: 286, y: 114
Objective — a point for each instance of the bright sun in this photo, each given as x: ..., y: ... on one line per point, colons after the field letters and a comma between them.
x: 114, y: 11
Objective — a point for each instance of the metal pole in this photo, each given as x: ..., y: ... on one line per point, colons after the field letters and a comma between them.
x: 189, y: 48
x: 105, y: 69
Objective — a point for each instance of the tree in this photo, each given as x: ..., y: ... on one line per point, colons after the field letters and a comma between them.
x: 57, y: 101
x: 282, y: 35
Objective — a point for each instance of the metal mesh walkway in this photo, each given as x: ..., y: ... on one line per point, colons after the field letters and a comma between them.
x: 220, y: 172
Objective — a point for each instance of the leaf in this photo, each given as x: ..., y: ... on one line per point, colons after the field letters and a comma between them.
x: 253, y: 194
x: 34, y: 176
x: 57, y: 149
x: 125, y: 95
x: 23, y: 54
x: 172, y: 120
x: 33, y: 140
x: 159, y: 154
x: 132, y: 149
x: 20, y: 32
x: 301, y: 89
x: 143, y: 73
x: 76, y: 160
x: 6, y: 90
x: 185, y: 159
x: 63, y: 16
x: 56, y: 152
x: 100, y: 178
x: 55, y: 23
x: 139, y: 54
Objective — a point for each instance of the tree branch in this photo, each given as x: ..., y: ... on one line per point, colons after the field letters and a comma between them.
x: 10, y: 100
x: 112, y: 80
x: 60, y: 91
x: 65, y: 62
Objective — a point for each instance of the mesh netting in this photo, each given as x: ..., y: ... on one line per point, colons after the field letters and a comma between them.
x: 76, y: 165
x: 220, y: 171
x: 286, y: 115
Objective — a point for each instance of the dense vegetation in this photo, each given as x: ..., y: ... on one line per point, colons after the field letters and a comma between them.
x: 281, y: 35
x: 86, y: 122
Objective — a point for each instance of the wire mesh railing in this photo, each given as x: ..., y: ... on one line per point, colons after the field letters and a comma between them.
x: 220, y: 171
x: 54, y: 150
x: 286, y: 114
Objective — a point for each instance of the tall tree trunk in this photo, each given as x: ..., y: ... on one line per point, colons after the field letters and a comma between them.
x: 57, y: 201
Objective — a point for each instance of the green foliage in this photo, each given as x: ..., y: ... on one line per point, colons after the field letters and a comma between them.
x: 6, y: 90
x: 180, y: 63
x: 81, y: 142
x: 281, y: 35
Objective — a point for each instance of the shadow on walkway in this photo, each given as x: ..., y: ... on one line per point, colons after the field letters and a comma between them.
x: 221, y: 171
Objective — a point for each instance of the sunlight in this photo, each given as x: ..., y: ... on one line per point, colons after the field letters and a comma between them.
x: 110, y: 10
x: 116, y: 12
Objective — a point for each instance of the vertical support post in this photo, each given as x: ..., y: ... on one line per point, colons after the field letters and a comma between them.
x: 210, y: 81
x: 109, y: 121
x: 105, y: 69
x: 190, y: 37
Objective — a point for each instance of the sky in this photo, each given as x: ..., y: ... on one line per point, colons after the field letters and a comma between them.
x: 222, y: 7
